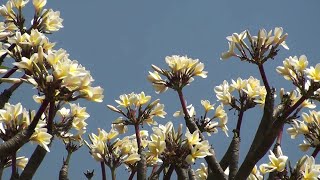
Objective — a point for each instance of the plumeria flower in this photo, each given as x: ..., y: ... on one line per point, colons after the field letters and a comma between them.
x: 200, y: 150
x: 313, y: 73
x: 298, y: 127
x: 220, y: 112
x: 193, y: 138
x: 310, y: 170
x: 19, y: 3
x: 39, y: 4
x: 41, y: 137
x: 237, y: 38
x: 52, y: 21
x: 278, y: 38
x: 156, y: 147
x: 202, y: 172
x: 158, y: 111
x: 255, y: 174
x: 276, y: 163
x: 223, y: 92
x: 207, y: 106
x: 230, y: 52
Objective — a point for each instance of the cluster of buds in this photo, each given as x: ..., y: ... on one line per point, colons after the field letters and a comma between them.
x: 116, y: 152
x: 134, y: 113
x: 181, y: 73
x: 15, y: 118
x: 309, y: 128
x: 72, y: 120
x: 261, y: 47
x: 306, y: 79
x: 250, y: 93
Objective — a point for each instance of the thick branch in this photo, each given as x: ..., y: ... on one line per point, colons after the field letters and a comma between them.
x: 15, y: 143
x: 63, y: 174
x: 2, y: 163
x: 234, y: 156
x: 33, y: 163
x: 225, y: 161
x: 182, y: 173
x: 6, y: 94
x: 265, y: 135
x: 191, y: 174
x: 39, y: 153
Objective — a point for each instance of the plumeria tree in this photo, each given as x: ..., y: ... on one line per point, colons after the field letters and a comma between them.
x: 155, y: 150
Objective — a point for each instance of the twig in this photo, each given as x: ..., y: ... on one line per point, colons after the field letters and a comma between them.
x: 103, y: 170
x: 315, y: 152
x: 141, y: 172
x: 167, y: 176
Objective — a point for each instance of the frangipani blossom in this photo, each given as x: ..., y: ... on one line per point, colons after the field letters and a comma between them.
x: 276, y: 163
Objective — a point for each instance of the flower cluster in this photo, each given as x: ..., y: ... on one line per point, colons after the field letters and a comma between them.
x: 304, y: 169
x: 296, y: 70
x: 113, y: 153
x: 181, y: 73
x: 277, y: 162
x: 134, y: 112
x: 45, y: 20
x: 309, y: 127
x: 250, y: 92
x: 15, y: 118
x: 73, y: 119
x: 49, y: 70
x: 307, y: 168
x: 168, y: 146
x: 261, y: 47
x: 53, y: 73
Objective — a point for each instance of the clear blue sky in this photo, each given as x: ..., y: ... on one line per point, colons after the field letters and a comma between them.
x: 119, y: 40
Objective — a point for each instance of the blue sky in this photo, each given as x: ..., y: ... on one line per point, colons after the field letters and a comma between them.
x: 119, y: 40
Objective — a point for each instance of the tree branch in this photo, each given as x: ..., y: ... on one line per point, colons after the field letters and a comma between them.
x: 182, y: 173
x: 141, y: 169
x: 234, y: 156
x: 63, y: 174
x: 266, y: 134
x: 191, y: 174
x: 39, y: 153
x: 33, y: 163
x: 167, y: 176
